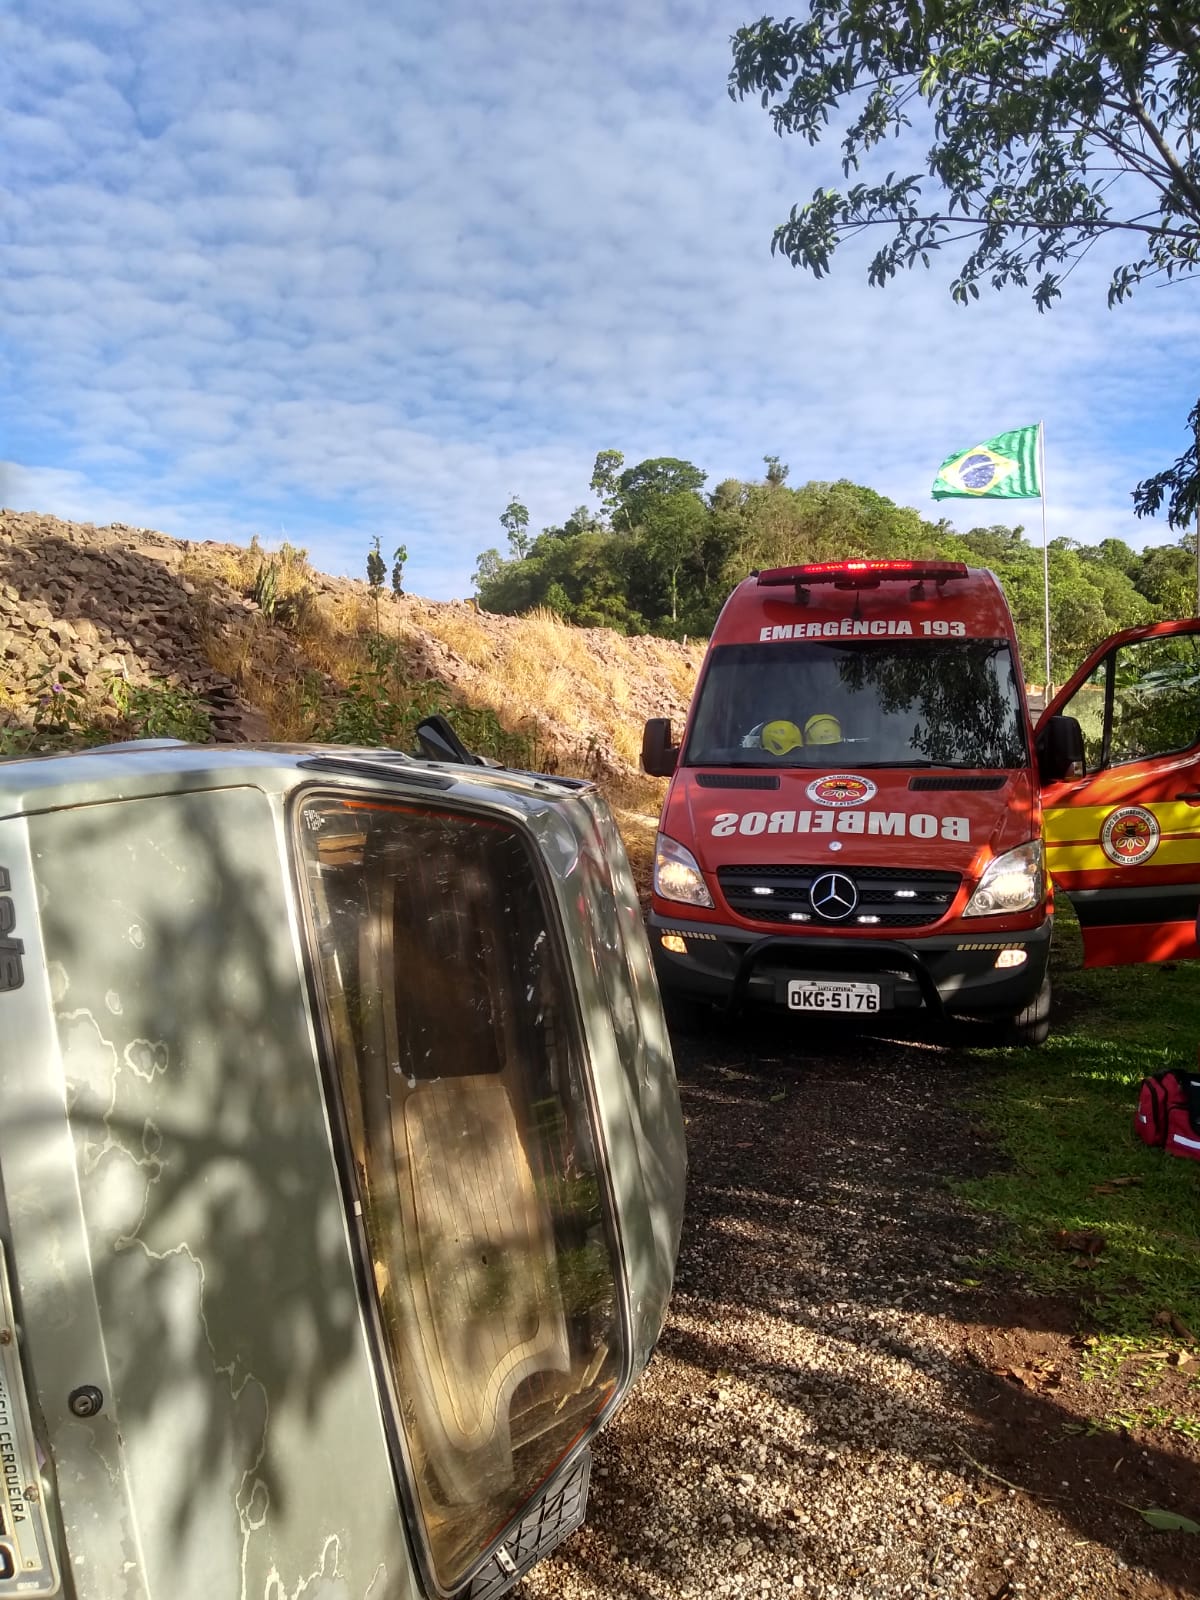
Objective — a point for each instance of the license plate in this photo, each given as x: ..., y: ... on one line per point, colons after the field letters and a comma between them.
x: 806, y: 995
x: 27, y: 1562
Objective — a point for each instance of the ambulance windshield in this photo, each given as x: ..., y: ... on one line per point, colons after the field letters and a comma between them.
x: 818, y: 703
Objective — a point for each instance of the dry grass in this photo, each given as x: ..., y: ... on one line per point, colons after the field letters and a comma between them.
x: 462, y: 632
x: 546, y: 637
x: 636, y: 806
x: 264, y: 669
x: 539, y: 667
x: 580, y: 694
x: 332, y: 635
x: 239, y: 567
x: 280, y: 670
x: 626, y: 741
x: 679, y: 673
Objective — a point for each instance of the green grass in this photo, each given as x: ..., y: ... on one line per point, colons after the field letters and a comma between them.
x: 66, y: 719
x: 1064, y: 1115
x: 1154, y: 1417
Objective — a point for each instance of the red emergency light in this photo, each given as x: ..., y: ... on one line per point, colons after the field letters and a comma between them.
x: 862, y: 574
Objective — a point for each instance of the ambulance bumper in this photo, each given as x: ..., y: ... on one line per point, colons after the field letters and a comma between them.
x: 959, y: 974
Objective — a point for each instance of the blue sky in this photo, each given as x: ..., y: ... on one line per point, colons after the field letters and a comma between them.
x: 324, y: 272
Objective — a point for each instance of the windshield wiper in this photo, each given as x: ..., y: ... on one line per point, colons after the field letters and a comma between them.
x: 943, y: 766
x: 916, y: 763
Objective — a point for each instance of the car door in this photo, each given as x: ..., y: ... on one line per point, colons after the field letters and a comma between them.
x: 1123, y: 834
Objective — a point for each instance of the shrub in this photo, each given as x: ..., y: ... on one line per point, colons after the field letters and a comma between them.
x: 383, y: 703
x: 161, y: 710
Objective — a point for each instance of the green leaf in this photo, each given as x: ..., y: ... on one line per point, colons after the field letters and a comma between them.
x: 1169, y: 1521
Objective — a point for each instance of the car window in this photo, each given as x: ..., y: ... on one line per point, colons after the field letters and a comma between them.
x: 1086, y: 705
x: 448, y: 1006
x: 1156, y: 698
x: 1154, y: 689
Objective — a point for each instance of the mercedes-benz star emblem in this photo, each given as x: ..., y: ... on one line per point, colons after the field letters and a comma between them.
x: 833, y: 896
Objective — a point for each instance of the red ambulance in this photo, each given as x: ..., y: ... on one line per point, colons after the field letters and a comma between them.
x: 854, y: 821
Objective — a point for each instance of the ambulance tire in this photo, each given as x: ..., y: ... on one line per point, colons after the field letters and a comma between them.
x: 1030, y: 1027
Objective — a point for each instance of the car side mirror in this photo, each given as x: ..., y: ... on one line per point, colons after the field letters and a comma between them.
x: 437, y: 741
x: 659, y: 755
x: 1060, y: 749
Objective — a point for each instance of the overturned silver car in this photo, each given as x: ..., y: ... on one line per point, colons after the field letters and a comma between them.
x: 341, y: 1170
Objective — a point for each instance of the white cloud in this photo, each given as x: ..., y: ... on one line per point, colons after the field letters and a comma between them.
x: 376, y: 274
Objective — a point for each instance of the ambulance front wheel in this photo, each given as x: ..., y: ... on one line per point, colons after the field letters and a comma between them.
x: 1030, y: 1027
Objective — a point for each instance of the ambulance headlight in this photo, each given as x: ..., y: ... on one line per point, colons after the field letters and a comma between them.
x: 1012, y: 882
x: 677, y: 875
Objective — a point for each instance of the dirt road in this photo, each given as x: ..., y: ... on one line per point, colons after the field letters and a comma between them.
x: 833, y: 1411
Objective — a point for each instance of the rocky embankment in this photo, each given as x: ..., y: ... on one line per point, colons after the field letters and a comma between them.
x: 83, y: 606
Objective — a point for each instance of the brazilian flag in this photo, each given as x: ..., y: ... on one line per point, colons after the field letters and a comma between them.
x: 1003, y: 468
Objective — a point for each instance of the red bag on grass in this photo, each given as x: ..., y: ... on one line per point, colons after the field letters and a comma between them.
x: 1168, y: 1113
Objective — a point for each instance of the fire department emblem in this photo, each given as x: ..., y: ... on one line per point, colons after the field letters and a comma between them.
x: 1130, y: 835
x: 841, y: 789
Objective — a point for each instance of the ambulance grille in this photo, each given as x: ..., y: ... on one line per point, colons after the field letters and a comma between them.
x: 967, y: 781
x: 737, y: 780
x: 900, y: 897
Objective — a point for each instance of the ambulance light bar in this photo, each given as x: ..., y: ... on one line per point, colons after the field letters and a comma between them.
x: 862, y: 574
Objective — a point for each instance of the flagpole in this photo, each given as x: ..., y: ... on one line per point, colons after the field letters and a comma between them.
x: 1045, y: 554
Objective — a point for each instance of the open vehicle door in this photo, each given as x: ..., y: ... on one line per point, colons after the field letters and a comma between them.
x: 1122, y: 819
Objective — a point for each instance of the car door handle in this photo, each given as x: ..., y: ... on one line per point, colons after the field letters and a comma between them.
x: 1191, y: 794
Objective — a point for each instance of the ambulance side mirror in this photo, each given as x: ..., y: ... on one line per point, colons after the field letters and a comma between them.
x: 1060, y: 749
x: 659, y: 755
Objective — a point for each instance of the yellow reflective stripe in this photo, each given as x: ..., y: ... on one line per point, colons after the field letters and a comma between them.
x: 1066, y: 824
x: 1091, y: 858
x: 1075, y: 824
x: 1177, y: 852
x: 1176, y: 816
x: 1072, y: 836
x: 1076, y: 858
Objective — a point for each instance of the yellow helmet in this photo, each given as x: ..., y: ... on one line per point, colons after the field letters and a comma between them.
x: 780, y: 737
x: 823, y: 729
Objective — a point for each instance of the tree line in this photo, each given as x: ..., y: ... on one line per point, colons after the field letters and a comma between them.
x: 658, y: 554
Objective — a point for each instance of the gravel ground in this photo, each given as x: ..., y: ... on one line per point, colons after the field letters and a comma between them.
x: 833, y: 1412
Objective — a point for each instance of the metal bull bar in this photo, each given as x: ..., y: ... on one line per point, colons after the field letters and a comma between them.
x: 836, y: 955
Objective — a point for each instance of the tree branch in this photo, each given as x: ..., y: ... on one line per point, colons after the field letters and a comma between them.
x: 1018, y: 225
x: 1183, y: 38
x: 1182, y: 179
